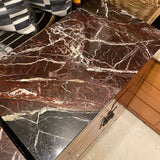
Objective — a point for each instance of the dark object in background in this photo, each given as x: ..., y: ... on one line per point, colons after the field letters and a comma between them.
x: 77, y: 3
x: 156, y: 23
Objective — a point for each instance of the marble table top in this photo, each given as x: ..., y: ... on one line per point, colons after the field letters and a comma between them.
x: 53, y: 85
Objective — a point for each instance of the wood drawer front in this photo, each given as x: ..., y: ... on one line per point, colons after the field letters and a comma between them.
x: 157, y: 127
x: 144, y: 111
x: 154, y: 76
x: 150, y: 95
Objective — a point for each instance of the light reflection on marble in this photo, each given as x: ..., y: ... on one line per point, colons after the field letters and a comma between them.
x: 55, y: 83
x: 127, y: 139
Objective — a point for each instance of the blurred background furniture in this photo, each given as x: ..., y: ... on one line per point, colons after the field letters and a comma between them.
x: 21, y: 19
x: 10, y: 40
x: 146, y: 10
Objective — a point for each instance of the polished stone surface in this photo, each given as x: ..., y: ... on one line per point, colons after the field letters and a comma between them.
x: 47, y: 133
x: 8, y: 151
x: 54, y: 84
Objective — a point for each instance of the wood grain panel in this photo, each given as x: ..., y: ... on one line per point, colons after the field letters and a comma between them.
x: 144, y: 111
x: 154, y: 77
x: 150, y: 95
x: 157, y: 127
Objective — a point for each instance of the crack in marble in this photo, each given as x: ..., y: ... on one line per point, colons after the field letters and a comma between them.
x: 18, y: 116
x: 36, y: 141
x: 105, y: 6
x: 30, y: 63
x: 14, y: 156
x: 55, y: 136
x: 1, y: 132
x: 126, y: 13
x: 98, y: 69
x: 21, y: 91
x: 80, y: 119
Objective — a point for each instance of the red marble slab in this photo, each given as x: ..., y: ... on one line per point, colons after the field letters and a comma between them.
x: 8, y: 151
x: 54, y: 84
